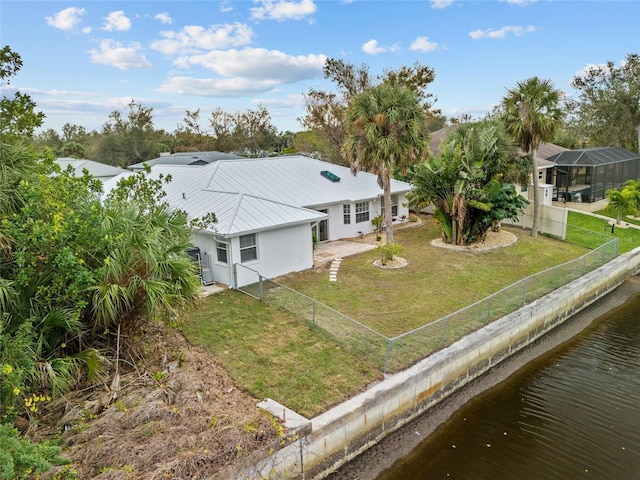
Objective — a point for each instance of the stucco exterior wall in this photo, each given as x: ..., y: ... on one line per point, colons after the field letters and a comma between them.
x: 340, y: 434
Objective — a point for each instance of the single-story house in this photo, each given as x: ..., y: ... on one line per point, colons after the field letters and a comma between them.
x: 97, y: 170
x: 271, y: 211
x: 185, y: 158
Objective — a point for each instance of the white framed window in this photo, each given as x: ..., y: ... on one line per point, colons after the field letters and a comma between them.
x: 248, y: 248
x: 221, y: 252
x: 362, y: 212
x: 394, y: 206
x: 346, y: 213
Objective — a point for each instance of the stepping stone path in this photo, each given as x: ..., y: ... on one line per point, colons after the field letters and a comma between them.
x: 333, y: 270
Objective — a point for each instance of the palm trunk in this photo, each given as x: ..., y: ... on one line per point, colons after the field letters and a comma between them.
x: 536, y: 197
x: 388, y: 220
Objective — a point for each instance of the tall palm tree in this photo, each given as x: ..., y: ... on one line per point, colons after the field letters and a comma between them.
x: 532, y: 115
x: 385, y: 129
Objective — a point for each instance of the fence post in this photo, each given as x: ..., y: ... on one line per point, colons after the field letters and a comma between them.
x: 489, y: 310
x: 313, y: 318
x: 386, y: 357
x: 444, y: 332
x: 524, y: 291
x: 260, y: 288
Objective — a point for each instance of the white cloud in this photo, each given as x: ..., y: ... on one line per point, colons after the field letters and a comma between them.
x: 164, y: 17
x: 194, y: 38
x: 258, y: 64
x: 66, y: 19
x: 438, y: 4
x: 112, y: 53
x: 283, y: 10
x: 520, y: 3
x: 116, y: 21
x: 371, y: 47
x: 216, y: 87
x: 501, y: 33
x: 422, y: 44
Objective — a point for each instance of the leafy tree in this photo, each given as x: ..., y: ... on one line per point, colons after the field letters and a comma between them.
x: 254, y: 132
x: 129, y: 139
x: 18, y: 116
x: 532, y: 115
x: 191, y: 136
x: 608, y: 107
x: 325, y: 111
x: 467, y: 183
x: 385, y: 129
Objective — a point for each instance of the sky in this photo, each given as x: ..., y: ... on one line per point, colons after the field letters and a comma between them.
x: 86, y: 59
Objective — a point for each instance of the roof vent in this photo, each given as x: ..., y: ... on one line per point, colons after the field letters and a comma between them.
x: 330, y: 176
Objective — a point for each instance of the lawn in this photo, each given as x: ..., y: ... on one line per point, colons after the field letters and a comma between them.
x: 273, y: 353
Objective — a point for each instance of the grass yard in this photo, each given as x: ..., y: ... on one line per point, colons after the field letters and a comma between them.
x: 628, y: 238
x: 272, y: 353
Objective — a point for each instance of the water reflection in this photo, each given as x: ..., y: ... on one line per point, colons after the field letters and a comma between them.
x: 573, y: 413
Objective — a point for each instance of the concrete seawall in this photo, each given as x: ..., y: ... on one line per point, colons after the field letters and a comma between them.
x: 335, y: 437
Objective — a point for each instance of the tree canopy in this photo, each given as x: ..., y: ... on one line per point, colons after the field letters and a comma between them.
x: 385, y: 129
x: 532, y: 115
x: 607, y: 110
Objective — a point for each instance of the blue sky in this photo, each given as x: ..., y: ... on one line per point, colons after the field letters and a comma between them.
x: 84, y: 59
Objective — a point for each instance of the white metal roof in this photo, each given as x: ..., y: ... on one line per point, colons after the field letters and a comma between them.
x: 249, y: 195
x: 95, y: 169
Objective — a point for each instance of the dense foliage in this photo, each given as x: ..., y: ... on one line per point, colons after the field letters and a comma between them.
x: 468, y: 185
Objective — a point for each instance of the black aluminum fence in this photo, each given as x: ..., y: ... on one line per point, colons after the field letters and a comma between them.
x: 392, y: 354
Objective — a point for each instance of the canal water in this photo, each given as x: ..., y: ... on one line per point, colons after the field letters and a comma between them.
x: 572, y: 413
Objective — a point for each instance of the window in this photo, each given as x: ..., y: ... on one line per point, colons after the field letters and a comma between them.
x: 362, y: 212
x: 248, y: 248
x: 394, y: 206
x: 524, y: 188
x: 221, y: 250
x: 346, y: 213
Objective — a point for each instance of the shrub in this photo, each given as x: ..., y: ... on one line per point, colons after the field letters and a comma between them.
x: 20, y: 458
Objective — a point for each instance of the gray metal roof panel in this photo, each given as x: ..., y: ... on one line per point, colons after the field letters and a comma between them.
x: 593, y: 156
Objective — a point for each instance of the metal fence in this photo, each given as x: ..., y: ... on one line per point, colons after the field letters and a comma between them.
x: 392, y: 354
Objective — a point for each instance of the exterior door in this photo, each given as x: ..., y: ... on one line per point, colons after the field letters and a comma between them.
x: 321, y: 230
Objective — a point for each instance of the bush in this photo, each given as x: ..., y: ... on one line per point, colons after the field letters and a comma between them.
x: 20, y: 458
x: 16, y: 368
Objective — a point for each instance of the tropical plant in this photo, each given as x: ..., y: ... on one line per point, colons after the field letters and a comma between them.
x: 467, y: 183
x: 625, y: 200
x: 385, y: 129
x: 532, y: 115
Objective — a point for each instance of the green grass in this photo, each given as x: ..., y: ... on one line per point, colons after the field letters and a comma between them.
x: 273, y: 353
x: 592, y: 228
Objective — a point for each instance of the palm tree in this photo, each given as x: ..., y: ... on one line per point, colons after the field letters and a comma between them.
x: 532, y: 115
x: 625, y: 200
x: 386, y: 128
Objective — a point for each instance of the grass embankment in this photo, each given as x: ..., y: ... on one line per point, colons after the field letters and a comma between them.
x: 271, y: 353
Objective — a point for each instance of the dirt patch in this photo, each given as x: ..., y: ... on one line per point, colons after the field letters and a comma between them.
x: 493, y: 240
x: 177, y: 414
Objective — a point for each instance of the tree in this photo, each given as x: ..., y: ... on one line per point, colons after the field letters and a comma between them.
x: 625, y: 200
x: 467, y: 183
x: 191, y: 136
x: 532, y: 115
x: 325, y: 111
x: 608, y: 107
x: 386, y: 128
x: 18, y: 116
x: 254, y: 132
x: 129, y: 139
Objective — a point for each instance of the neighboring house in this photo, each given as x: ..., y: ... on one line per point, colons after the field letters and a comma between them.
x: 271, y: 210
x: 97, y: 170
x: 584, y: 176
x: 185, y: 158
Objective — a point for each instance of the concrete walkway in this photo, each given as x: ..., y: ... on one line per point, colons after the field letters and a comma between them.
x: 335, y: 251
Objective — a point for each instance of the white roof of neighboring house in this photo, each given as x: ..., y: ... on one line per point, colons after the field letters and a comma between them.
x: 185, y: 158
x: 249, y: 195
x: 95, y: 169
